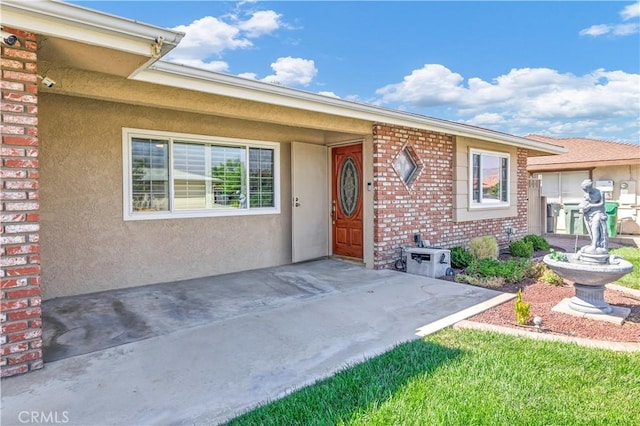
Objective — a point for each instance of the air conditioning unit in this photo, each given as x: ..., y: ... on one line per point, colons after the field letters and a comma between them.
x: 430, y: 262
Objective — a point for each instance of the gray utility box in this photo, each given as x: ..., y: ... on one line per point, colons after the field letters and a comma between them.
x: 430, y: 262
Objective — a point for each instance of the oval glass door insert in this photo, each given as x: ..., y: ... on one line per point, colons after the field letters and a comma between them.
x: 348, y: 196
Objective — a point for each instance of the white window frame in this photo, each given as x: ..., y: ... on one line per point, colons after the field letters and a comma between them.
x: 473, y: 204
x: 128, y: 134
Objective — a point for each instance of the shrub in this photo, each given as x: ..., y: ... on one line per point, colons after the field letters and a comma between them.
x: 460, y: 257
x: 484, y: 247
x: 521, y: 248
x: 538, y: 242
x: 511, y: 270
x: 551, y: 278
x: 522, y: 309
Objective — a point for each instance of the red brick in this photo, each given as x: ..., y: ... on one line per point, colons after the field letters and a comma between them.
x: 19, y: 97
x: 12, y: 130
x: 25, y: 335
x: 25, y: 313
x: 23, y: 293
x: 13, y: 282
x: 12, y: 195
x: 21, y: 184
x: 13, y: 348
x: 13, y: 174
x: 22, y: 271
x: 17, y: 75
x: 14, y: 326
x: 16, y: 163
x: 13, y: 304
x: 20, y: 54
x: 10, y: 85
x: 12, y: 371
x: 16, y: 207
x: 21, y: 140
x: 29, y: 356
x: 10, y: 63
x: 11, y: 152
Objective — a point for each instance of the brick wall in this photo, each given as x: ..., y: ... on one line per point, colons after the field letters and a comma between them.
x: 426, y: 207
x: 20, y: 316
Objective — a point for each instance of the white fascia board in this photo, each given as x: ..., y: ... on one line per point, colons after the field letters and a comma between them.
x: 185, y: 77
x: 71, y: 22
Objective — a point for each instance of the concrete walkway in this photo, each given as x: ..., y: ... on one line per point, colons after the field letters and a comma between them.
x: 264, y: 333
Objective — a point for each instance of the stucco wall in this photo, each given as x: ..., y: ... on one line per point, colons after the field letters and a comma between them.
x: 86, y: 244
x: 631, y: 211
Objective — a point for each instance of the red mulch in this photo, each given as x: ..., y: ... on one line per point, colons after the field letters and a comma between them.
x: 543, y: 297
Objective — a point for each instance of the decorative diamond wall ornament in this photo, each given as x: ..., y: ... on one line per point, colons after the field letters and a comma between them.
x: 407, y: 165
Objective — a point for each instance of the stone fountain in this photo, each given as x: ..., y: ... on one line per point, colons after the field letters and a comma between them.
x: 592, y: 267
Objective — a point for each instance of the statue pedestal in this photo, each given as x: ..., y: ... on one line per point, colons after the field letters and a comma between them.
x: 589, y: 299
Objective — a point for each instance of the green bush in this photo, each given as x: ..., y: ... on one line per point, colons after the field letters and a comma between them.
x: 538, y: 242
x: 484, y: 247
x: 521, y: 248
x: 460, y: 257
x: 551, y: 278
x: 513, y: 270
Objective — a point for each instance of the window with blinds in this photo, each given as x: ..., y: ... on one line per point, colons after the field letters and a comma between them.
x: 198, y: 176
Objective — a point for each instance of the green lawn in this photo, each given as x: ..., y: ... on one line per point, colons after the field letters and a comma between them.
x: 631, y: 254
x: 465, y: 377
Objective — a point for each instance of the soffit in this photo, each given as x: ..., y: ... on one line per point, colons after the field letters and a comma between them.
x: 72, y: 54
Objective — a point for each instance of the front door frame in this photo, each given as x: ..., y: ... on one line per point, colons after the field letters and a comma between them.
x: 362, y: 189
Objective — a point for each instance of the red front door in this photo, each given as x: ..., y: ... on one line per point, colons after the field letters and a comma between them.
x: 347, y: 201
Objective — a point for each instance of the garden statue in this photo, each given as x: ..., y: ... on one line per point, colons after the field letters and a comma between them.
x: 595, y: 217
x: 591, y: 268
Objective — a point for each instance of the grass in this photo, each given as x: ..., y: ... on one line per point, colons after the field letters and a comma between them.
x: 466, y: 377
x: 631, y: 254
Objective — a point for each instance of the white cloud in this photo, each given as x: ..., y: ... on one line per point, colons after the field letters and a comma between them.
x: 261, y: 23
x: 330, y: 94
x: 209, y: 37
x: 292, y: 71
x: 596, y: 30
x: 629, y: 12
x: 626, y: 29
x: 522, y: 98
x: 616, y: 30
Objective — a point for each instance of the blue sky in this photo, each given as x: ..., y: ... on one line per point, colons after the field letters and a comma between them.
x: 561, y: 69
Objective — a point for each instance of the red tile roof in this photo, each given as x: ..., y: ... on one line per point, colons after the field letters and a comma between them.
x: 583, y: 154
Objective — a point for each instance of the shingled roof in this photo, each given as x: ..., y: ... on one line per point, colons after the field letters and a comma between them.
x: 584, y: 154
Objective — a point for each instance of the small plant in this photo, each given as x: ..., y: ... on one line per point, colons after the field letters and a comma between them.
x: 551, y: 278
x: 460, y: 257
x: 521, y: 248
x: 522, y: 309
x: 558, y: 256
x: 538, y: 242
x: 484, y: 247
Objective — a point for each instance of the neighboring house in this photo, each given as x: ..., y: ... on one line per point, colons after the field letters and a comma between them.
x: 132, y: 171
x: 613, y: 166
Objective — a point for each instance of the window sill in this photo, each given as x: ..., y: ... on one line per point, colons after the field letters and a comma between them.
x: 142, y: 215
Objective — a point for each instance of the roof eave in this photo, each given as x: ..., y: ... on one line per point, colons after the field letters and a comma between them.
x: 176, y: 75
x: 71, y: 22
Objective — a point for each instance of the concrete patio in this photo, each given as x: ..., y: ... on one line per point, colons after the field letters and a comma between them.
x: 202, y: 351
